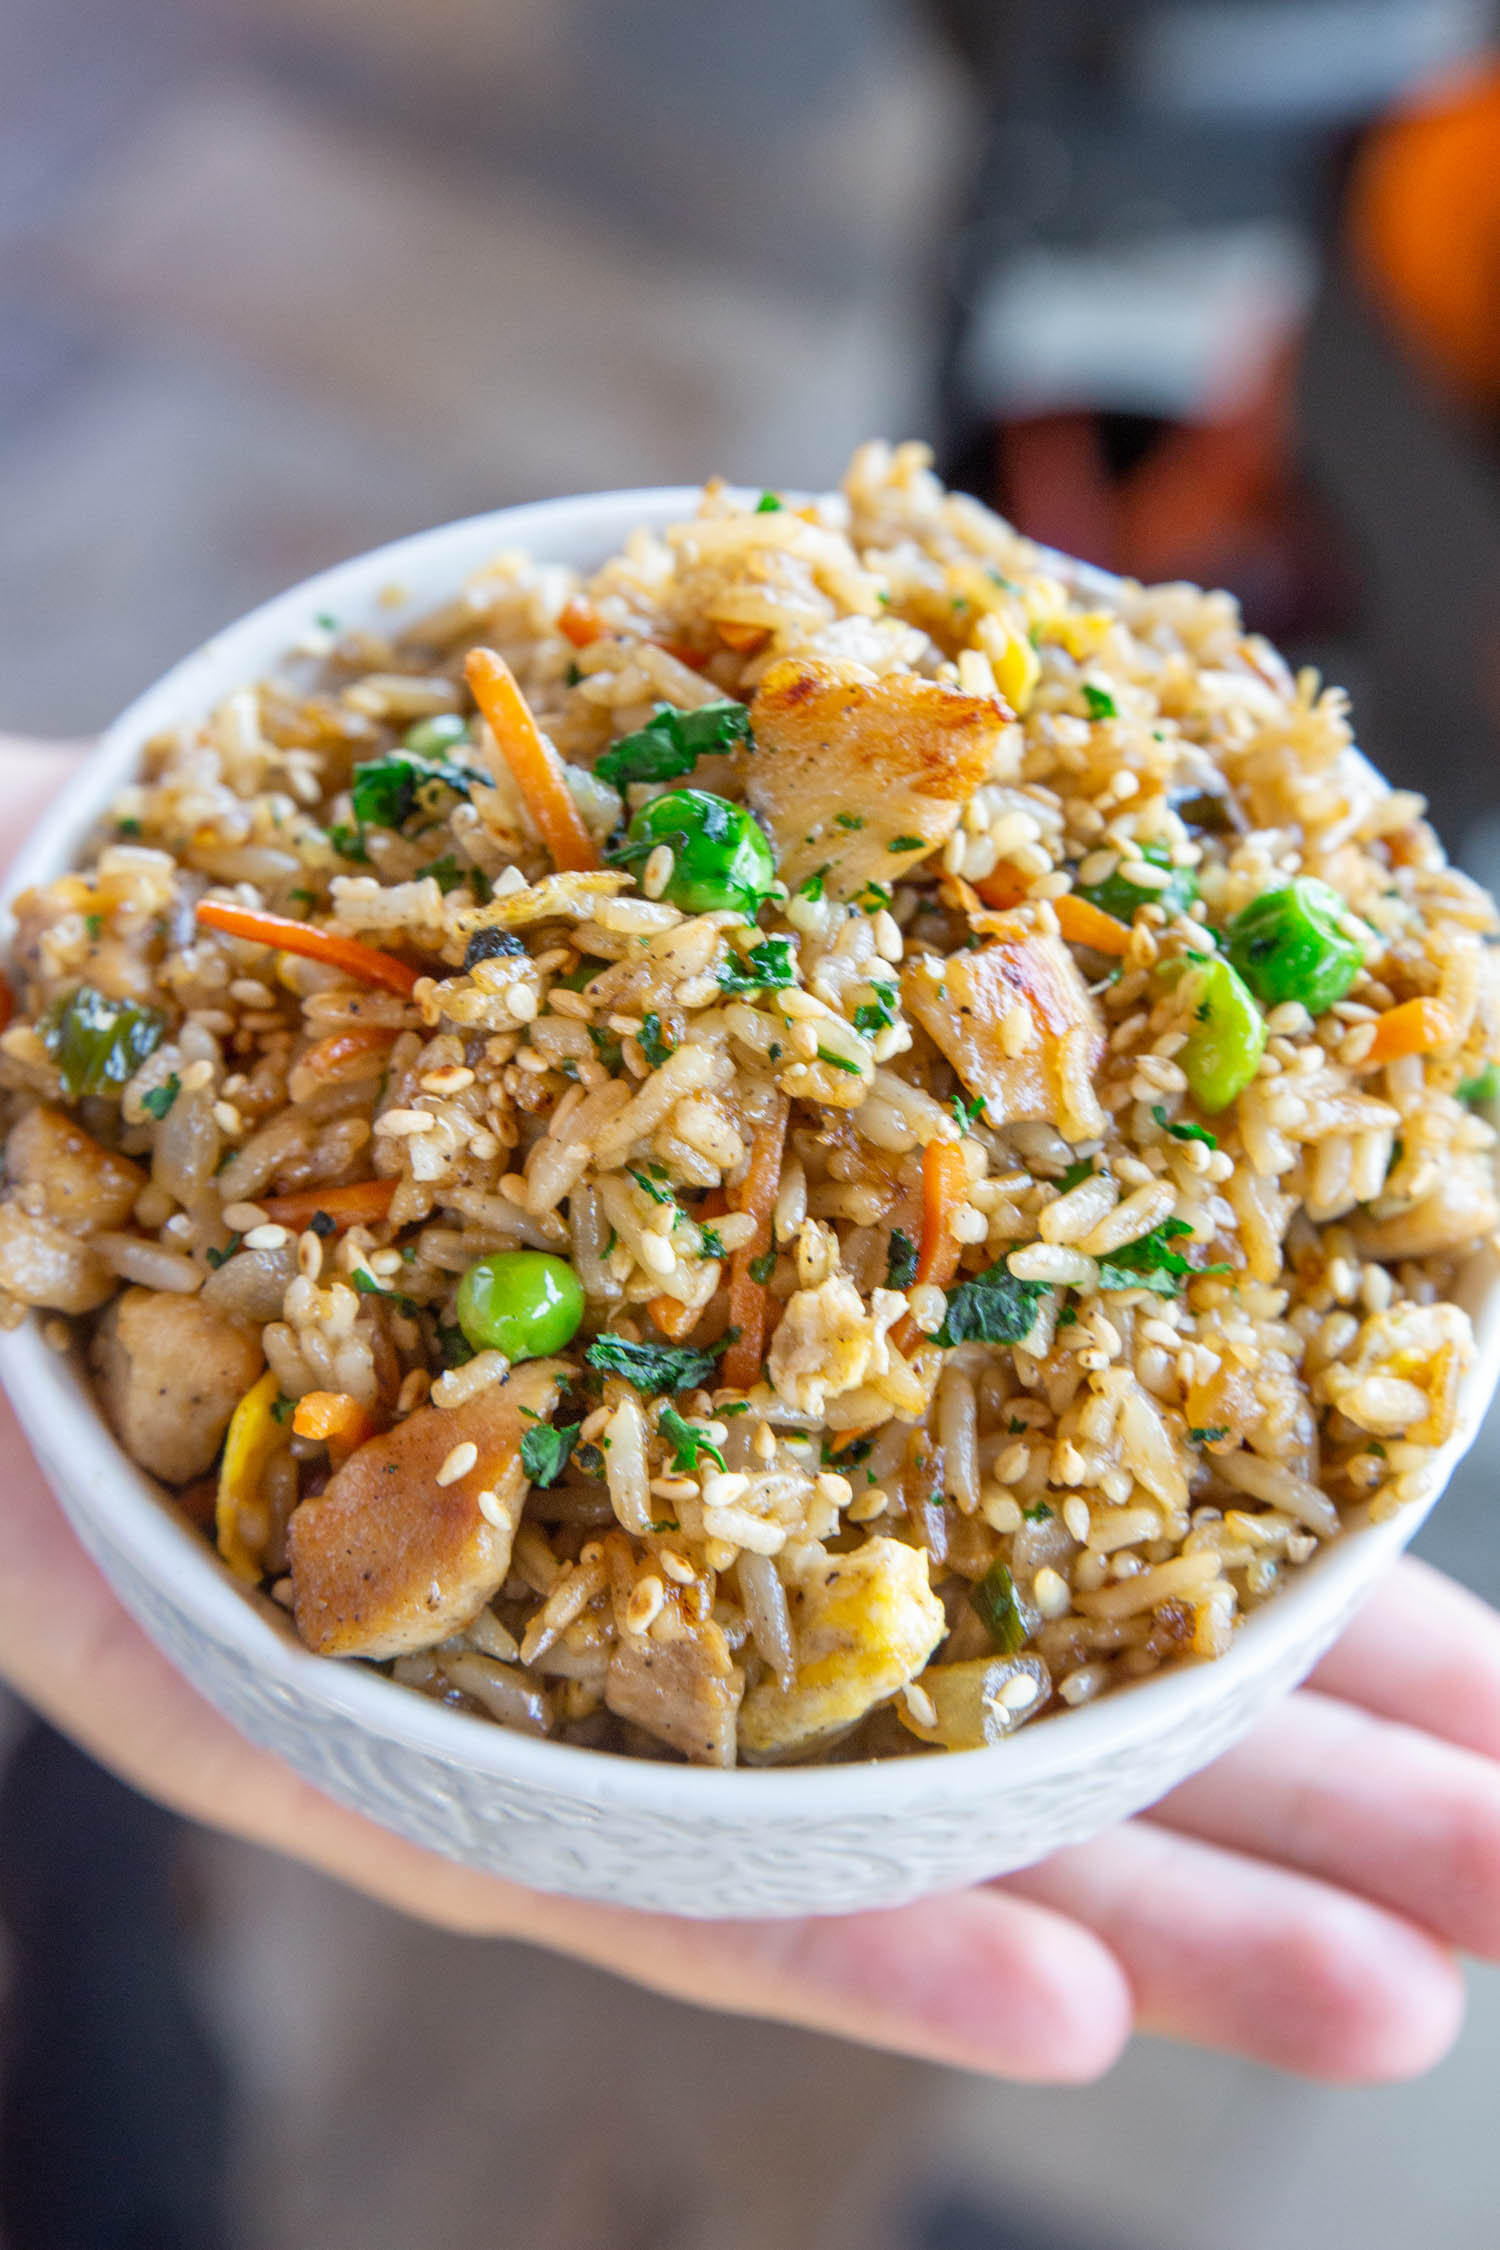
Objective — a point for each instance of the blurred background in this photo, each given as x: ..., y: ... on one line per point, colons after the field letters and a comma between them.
x: 1206, y: 290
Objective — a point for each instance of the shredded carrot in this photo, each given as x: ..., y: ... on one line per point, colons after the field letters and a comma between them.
x: 693, y: 658
x: 327, y: 1057
x: 337, y: 1418
x: 533, y: 762
x: 260, y: 928
x: 580, y: 621
x: 675, y: 1319
x: 364, y: 1204
x: 1416, y: 1027
x: 1082, y: 923
x: 1004, y: 886
x: 749, y: 1305
x: 743, y: 639
x: 945, y: 1185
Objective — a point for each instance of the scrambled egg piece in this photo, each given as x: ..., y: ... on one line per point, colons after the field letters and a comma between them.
x: 1401, y: 1376
x: 826, y: 1343
x: 865, y: 1624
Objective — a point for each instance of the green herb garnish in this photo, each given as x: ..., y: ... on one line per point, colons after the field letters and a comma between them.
x: 97, y: 1042
x: 160, y: 1098
x: 687, y: 1441
x: 1183, y: 1132
x: 652, y: 1045
x: 545, y: 1450
x: 767, y: 967
x: 993, y: 1308
x: 672, y: 742
x: 1152, y: 1263
x: 656, y: 1368
x: 901, y: 1261
x: 1100, y: 702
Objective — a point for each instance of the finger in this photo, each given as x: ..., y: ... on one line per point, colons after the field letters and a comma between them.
x: 981, y: 1981
x: 1233, y: 1954
x: 1376, y: 1808
x: 1425, y: 1651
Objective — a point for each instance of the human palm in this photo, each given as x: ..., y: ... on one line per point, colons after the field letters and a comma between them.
x: 1300, y: 1902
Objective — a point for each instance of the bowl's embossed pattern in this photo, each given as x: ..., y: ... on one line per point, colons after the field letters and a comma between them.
x: 633, y: 1832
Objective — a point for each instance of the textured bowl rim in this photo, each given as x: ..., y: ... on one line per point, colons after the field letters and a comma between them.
x: 52, y: 1392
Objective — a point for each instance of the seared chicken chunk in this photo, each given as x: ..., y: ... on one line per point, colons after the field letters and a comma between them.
x: 171, y: 1371
x: 865, y: 1624
x: 43, y: 1264
x: 386, y: 1559
x: 684, y: 1689
x: 82, y: 1187
x: 1458, y: 1211
x: 1018, y: 1025
x: 857, y: 778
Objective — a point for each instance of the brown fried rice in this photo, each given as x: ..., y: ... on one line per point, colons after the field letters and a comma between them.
x: 978, y: 1343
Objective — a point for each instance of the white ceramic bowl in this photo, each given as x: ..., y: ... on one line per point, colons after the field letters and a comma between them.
x: 680, y: 1839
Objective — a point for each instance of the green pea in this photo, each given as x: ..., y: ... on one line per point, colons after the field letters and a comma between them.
x: 1227, y: 1037
x: 1118, y: 897
x: 1289, y: 944
x: 524, y: 1303
x: 722, y: 857
x: 431, y: 738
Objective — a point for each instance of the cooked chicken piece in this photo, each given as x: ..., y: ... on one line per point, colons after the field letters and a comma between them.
x: 43, y: 1265
x: 856, y: 777
x: 1453, y: 1216
x: 386, y: 1559
x: 1017, y: 1024
x: 172, y: 1371
x: 684, y: 1690
x: 865, y: 1624
x: 84, y: 1188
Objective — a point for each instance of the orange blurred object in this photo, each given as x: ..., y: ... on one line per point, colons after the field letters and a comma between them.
x: 1424, y: 222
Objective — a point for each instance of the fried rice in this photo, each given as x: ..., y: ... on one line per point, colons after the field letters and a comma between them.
x: 1003, y: 1239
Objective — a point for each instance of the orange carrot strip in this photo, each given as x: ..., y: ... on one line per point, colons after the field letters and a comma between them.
x: 532, y: 760
x: 749, y: 1306
x: 1416, y: 1027
x: 364, y: 1204
x: 260, y: 928
x: 673, y: 1318
x: 945, y: 1185
x: 580, y: 621
x: 327, y: 1056
x: 693, y: 658
x: 331, y: 1414
x: 1082, y: 923
x: 1002, y: 887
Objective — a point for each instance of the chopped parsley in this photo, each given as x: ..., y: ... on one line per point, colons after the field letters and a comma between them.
x: 1152, y: 1263
x: 1101, y: 703
x: 649, y: 1183
x: 711, y: 1241
x: 857, y: 1450
x: 1209, y: 1433
x: 769, y: 505
x: 446, y: 873
x: 652, y: 1045
x: 762, y: 1268
x: 850, y: 820
x: 217, y: 1258
x: 367, y: 1286
x: 838, y: 1062
x: 687, y: 1441
x: 766, y: 967
x: 1078, y: 1171
x: 965, y: 1113
x: 283, y: 1408
x: 657, y: 1368
x: 992, y: 1308
x: 1183, y: 1132
x: 385, y: 791
x: 901, y: 1261
x: 94, y: 924
x: 873, y: 897
x: 813, y: 887
x: 1039, y: 1512
x: 907, y: 844
x: 159, y: 1100
x: 672, y: 742
x: 545, y: 1450
x: 129, y: 826
x: 1484, y: 1088
x: 877, y: 1014
x: 348, y: 842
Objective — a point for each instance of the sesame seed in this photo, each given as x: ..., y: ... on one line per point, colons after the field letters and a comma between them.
x: 459, y: 1462
x: 227, y: 1118
x: 241, y: 1217
x: 1019, y: 1693
x: 404, y: 1123
x: 647, y: 1599
x: 268, y: 1237
x: 491, y: 1510
x: 920, y: 1704
x: 450, y: 1081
